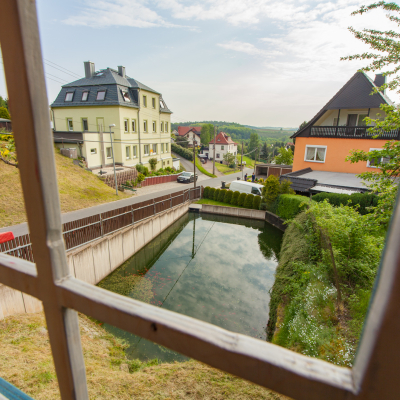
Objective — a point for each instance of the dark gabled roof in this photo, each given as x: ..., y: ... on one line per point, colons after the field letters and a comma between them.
x: 68, y: 137
x: 356, y: 93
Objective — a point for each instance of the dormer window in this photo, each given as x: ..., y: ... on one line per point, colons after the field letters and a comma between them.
x: 69, y: 96
x: 101, y: 95
x: 85, y: 95
x: 125, y: 95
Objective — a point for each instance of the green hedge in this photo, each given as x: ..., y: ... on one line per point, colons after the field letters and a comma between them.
x: 206, y: 192
x: 289, y: 205
x: 216, y: 194
x: 248, y: 202
x: 256, y: 202
x: 228, y: 196
x: 235, y: 198
x: 211, y: 192
x: 242, y: 198
x: 221, y: 195
x: 362, y: 200
x: 185, y: 153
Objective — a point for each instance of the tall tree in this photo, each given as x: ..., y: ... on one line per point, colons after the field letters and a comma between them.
x: 303, y: 124
x: 4, y: 113
x: 253, y: 144
x: 264, y: 151
x: 285, y: 156
x: 207, y: 132
x: 3, y: 102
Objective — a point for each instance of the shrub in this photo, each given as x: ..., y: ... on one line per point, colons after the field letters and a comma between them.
x: 248, y: 202
x: 153, y: 163
x: 260, y: 181
x: 228, y: 196
x: 241, y: 199
x: 271, y: 190
x: 221, y: 195
x: 289, y: 205
x: 216, y: 194
x: 206, y: 192
x: 211, y: 193
x: 185, y: 153
x: 235, y: 198
x: 256, y: 202
x: 263, y: 206
x: 140, y: 178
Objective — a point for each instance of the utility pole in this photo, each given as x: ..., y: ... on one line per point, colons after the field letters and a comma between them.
x: 215, y: 129
x: 112, y: 153
x: 194, y: 165
x: 241, y: 160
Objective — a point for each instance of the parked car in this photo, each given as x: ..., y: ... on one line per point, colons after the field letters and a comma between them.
x: 246, y: 187
x: 187, y: 177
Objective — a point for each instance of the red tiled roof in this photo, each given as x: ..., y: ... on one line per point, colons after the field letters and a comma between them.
x: 183, y: 130
x: 223, y: 138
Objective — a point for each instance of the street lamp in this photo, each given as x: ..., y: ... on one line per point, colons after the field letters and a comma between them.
x: 112, y: 153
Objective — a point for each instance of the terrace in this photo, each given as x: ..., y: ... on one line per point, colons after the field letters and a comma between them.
x: 352, y: 132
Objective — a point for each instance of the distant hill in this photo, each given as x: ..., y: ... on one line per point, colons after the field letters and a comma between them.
x: 274, y: 128
x: 243, y: 132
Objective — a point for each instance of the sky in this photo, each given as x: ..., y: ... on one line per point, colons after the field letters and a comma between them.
x: 254, y: 62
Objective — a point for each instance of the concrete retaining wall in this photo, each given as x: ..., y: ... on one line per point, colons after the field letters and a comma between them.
x: 94, y: 261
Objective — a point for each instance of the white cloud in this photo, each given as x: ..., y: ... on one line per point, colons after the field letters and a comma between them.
x: 248, y: 48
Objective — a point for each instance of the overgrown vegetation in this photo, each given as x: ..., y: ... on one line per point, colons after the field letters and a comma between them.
x: 27, y: 363
x: 290, y: 205
x: 306, y: 313
x: 228, y: 198
x: 185, y: 153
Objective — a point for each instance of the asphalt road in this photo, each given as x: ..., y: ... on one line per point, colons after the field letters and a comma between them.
x: 188, y: 165
x: 22, y: 229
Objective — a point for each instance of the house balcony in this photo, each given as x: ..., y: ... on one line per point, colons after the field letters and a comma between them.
x: 352, y: 132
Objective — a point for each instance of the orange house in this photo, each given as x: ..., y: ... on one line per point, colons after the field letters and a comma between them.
x: 325, y: 142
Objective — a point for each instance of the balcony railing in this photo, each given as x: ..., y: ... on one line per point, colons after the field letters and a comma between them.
x: 352, y: 132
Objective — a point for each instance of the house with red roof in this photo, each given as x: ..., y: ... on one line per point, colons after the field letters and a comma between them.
x: 223, y: 144
x: 189, y: 133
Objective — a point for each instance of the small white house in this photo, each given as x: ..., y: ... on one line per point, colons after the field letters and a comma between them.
x: 189, y: 134
x: 223, y: 145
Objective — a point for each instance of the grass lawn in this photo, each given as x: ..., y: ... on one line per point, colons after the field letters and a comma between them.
x: 27, y: 363
x: 203, y: 170
x: 215, y: 203
x: 225, y: 169
x: 78, y: 189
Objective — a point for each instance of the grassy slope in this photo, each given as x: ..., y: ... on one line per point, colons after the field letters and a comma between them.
x: 27, y: 363
x: 78, y: 189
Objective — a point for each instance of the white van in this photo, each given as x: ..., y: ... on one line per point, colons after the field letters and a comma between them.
x: 246, y: 187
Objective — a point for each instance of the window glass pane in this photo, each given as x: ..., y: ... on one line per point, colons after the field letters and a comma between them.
x: 85, y: 96
x: 144, y: 101
x: 145, y: 126
x: 101, y: 95
x: 69, y: 96
x: 133, y: 125
x: 126, y: 97
x: 134, y: 151
x: 108, y: 151
x: 166, y: 147
x: 128, y: 151
x: 320, y: 156
x: 361, y: 121
x: 166, y: 127
x: 85, y: 124
x: 310, y: 155
x: 126, y: 125
x: 153, y: 100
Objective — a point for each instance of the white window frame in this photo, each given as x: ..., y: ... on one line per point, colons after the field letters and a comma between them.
x: 162, y: 147
x: 166, y: 127
x: 98, y: 95
x: 93, y: 151
x: 153, y: 103
x: 144, y: 101
x: 145, y: 126
x: 148, y: 150
x: 108, y: 152
x: 125, y: 96
x: 162, y: 127
x: 368, y: 162
x: 316, y: 146
x: 154, y: 148
x: 375, y: 371
x: 134, y: 151
x: 133, y: 125
x: 70, y: 127
x: 126, y: 125
x: 154, y: 126
x: 166, y: 147
x: 69, y: 96
x: 87, y: 95
x: 128, y: 152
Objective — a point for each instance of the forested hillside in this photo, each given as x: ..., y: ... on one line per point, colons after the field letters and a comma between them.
x: 241, y: 132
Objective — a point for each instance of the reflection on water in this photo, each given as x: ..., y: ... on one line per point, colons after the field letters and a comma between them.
x: 218, y: 269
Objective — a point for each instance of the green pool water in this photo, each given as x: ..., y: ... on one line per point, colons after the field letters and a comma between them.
x: 218, y: 269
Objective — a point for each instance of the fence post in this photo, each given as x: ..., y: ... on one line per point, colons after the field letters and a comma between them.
x: 133, y: 219
x: 101, y: 226
x: 170, y: 200
x: 154, y: 207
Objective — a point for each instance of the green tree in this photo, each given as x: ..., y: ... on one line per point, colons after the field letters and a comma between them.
x: 4, y: 113
x: 303, y: 124
x: 230, y: 159
x: 207, y: 132
x: 3, y: 102
x: 285, y: 156
x: 253, y: 144
x: 153, y: 163
x: 264, y: 151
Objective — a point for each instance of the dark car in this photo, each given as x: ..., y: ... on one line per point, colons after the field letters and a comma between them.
x: 186, y: 177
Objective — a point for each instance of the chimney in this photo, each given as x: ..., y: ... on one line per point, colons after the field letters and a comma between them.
x: 89, y: 69
x: 380, y: 80
x: 121, y: 71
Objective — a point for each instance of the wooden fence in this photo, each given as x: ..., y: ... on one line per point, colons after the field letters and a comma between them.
x: 124, y: 176
x: 79, y: 232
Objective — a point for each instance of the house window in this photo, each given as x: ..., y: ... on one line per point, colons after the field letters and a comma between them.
x: 108, y: 152
x: 166, y: 127
x: 222, y: 147
x: 85, y: 95
x: 166, y: 147
x: 126, y: 125
x: 69, y: 96
x: 374, y: 163
x: 144, y: 101
x: 162, y: 127
x: 85, y: 125
x: 70, y: 124
x: 125, y: 96
x: 134, y: 125
x: 153, y: 102
x: 134, y: 151
x: 217, y: 156
x: 315, y: 154
x: 162, y: 147
x: 146, y: 149
x: 128, y: 152
x: 335, y: 121
x: 145, y: 126
x: 154, y: 126
x: 361, y: 121
x: 154, y: 149
x: 101, y: 95
x: 93, y: 151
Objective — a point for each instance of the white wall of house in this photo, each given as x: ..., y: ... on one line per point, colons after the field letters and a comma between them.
x: 221, y: 150
x: 190, y: 136
x: 329, y: 118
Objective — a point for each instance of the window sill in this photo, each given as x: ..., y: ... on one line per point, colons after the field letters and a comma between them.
x: 321, y: 162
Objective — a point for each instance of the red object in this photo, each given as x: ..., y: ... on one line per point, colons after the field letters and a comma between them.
x: 6, y: 236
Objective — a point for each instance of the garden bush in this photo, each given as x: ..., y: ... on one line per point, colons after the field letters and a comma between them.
x: 211, y: 193
x: 362, y: 200
x: 206, y: 192
x: 228, y: 196
x: 256, y: 202
x: 185, y: 153
x: 289, y: 205
x: 216, y: 194
x: 221, y: 195
x: 248, y: 202
x: 235, y: 198
x: 242, y: 198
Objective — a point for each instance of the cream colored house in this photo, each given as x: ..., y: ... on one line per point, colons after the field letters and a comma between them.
x: 84, y: 110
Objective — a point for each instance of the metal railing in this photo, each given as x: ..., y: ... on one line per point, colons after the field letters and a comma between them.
x: 86, y: 230
x: 353, y: 132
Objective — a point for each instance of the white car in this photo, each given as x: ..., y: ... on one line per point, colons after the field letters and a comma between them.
x: 246, y: 187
